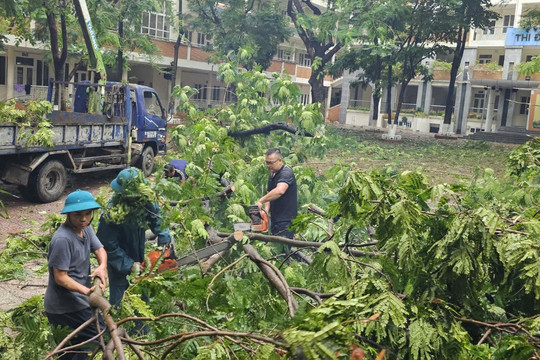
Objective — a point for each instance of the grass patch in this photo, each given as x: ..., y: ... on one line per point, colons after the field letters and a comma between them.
x: 441, y: 160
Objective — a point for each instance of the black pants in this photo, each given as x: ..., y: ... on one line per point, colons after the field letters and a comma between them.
x: 73, y: 320
x: 280, y: 229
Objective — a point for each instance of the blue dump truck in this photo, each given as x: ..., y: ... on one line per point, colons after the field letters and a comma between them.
x: 110, y: 126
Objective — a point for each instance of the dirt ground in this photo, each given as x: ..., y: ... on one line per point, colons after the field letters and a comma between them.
x: 24, y: 215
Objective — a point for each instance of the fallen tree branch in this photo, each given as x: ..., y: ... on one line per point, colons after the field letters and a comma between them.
x: 298, y: 243
x: 511, y: 328
x: 275, y: 277
x: 194, y: 334
x: 60, y: 347
x: 348, y: 245
x: 488, y: 332
x: 97, y: 300
x: 266, y: 130
x: 312, y: 294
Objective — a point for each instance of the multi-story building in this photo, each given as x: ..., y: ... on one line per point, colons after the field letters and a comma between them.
x: 24, y: 72
x: 490, y: 95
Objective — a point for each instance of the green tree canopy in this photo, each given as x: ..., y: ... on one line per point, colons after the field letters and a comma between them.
x: 233, y: 25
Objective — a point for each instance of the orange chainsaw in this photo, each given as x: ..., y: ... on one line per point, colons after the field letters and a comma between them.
x: 258, y: 223
x: 168, y: 263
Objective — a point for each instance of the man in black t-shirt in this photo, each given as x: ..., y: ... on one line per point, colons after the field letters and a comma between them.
x: 281, y: 200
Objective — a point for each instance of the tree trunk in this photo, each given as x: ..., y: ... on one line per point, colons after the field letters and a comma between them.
x: 458, y: 55
x: 389, y: 95
x: 120, y: 53
x: 59, y: 55
x: 317, y: 88
x: 170, y: 107
x: 400, y: 101
x: 376, y: 99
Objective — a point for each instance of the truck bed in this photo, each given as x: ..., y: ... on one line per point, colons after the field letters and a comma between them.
x: 72, y: 130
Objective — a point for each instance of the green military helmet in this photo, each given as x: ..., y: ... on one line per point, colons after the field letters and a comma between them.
x: 123, y: 178
x: 79, y: 200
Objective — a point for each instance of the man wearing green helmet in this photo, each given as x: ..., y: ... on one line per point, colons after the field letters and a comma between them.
x: 66, y: 297
x: 124, y: 239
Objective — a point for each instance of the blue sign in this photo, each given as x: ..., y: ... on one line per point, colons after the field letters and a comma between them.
x: 521, y: 37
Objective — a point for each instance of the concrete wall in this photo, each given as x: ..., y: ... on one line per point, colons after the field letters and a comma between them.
x: 357, y: 118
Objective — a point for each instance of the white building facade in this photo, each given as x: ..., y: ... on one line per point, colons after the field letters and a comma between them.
x: 489, y: 95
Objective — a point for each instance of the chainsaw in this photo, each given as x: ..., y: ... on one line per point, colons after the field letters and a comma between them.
x: 258, y: 223
x: 169, y: 261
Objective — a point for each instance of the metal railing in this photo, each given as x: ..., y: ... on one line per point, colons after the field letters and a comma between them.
x: 359, y: 103
x: 205, y: 103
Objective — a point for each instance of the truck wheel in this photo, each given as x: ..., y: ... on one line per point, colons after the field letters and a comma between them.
x: 146, y: 162
x: 49, y: 181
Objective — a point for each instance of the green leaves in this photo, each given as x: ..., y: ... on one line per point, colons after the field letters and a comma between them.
x: 525, y: 158
x: 33, y: 127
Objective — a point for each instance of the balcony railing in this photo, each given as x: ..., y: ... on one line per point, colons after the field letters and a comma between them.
x: 354, y: 103
x: 204, y: 103
x: 35, y: 92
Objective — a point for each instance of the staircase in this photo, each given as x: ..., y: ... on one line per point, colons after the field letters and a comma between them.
x: 508, y: 134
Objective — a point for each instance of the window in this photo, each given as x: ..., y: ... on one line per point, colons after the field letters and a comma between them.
x: 490, y: 29
x: 2, y: 70
x: 81, y: 76
x: 25, y: 61
x: 42, y: 73
x: 501, y: 60
x: 529, y: 58
x: 304, y: 59
x: 304, y: 98
x: 524, y: 106
x: 508, y: 22
x: 283, y: 55
x: 152, y: 104
x: 202, y: 39
x: 156, y: 24
x: 201, y: 95
x: 475, y: 130
x: 188, y: 37
x: 230, y: 95
x: 478, y: 104
x: 484, y: 59
x: 24, y: 70
x: 215, y: 93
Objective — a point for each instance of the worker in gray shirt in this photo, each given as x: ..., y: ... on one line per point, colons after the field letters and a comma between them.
x: 66, y: 298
